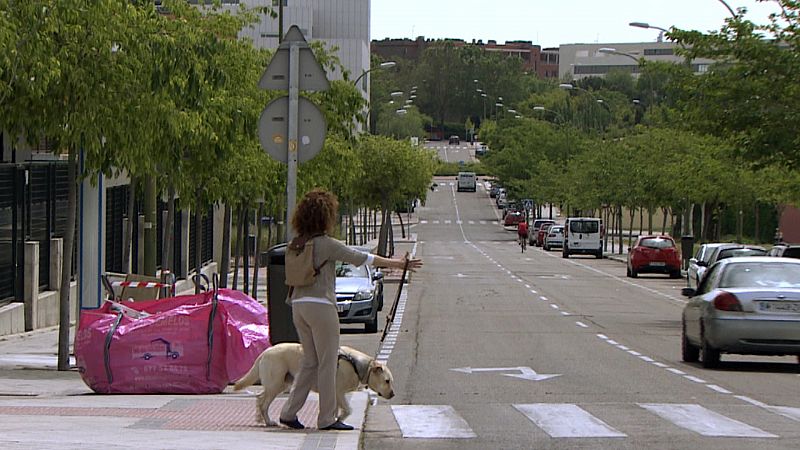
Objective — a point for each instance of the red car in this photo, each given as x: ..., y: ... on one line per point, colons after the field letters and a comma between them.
x: 513, y: 218
x: 654, y: 254
x: 540, y: 235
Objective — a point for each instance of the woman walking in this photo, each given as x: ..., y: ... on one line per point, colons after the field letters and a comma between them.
x: 314, y: 308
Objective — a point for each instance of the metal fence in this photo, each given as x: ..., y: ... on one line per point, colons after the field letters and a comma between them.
x: 33, y: 207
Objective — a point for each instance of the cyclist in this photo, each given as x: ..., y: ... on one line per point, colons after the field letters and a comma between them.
x: 522, y: 234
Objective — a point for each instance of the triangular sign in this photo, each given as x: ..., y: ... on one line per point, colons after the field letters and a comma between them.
x: 311, y: 77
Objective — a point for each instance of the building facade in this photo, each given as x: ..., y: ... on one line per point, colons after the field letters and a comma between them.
x: 578, y: 61
x: 543, y: 63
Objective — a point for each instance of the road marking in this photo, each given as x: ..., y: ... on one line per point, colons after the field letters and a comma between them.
x: 544, y: 299
x: 431, y: 422
x: 719, y: 389
x: 423, y: 222
x: 704, y: 421
x: 436, y: 222
x: 560, y: 420
x: 676, y: 371
x: 525, y: 373
x: 447, y: 222
x: 553, y: 305
x: 581, y: 324
x: 695, y: 379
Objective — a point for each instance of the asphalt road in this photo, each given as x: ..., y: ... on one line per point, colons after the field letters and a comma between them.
x: 569, y: 353
x: 453, y: 153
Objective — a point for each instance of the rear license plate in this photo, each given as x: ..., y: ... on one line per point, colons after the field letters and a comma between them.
x: 779, y: 307
x: 339, y: 307
x: 658, y: 264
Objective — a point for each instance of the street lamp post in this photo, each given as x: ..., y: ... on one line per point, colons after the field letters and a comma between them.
x: 647, y: 26
x: 383, y: 65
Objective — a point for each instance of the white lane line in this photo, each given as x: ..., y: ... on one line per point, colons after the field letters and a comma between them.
x: 704, y: 421
x: 695, y: 379
x: 581, y: 324
x: 622, y: 347
x: 676, y: 371
x: 436, y: 222
x: 533, y: 292
x: 785, y: 411
x: 447, y: 222
x: 564, y: 313
x: 566, y: 420
x: 527, y: 286
x: 602, y: 336
x: 544, y: 299
x: 660, y: 364
x: 612, y: 342
x: 423, y: 222
x: 431, y: 422
x: 719, y: 389
x: 634, y: 353
x: 646, y: 358
x: 553, y: 305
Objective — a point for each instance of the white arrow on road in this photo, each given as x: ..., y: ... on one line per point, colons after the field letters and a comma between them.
x: 526, y: 373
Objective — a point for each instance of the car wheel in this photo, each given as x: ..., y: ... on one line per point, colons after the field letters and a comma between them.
x: 634, y: 273
x: 709, y: 355
x: 546, y: 248
x: 372, y: 325
x: 628, y: 272
x: 689, y: 352
x: 565, y: 253
x: 599, y: 254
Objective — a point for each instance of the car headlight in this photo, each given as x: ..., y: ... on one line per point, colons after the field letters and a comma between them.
x: 364, y: 294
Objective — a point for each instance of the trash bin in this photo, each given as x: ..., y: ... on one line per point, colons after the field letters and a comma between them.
x: 281, y: 327
x: 687, y: 250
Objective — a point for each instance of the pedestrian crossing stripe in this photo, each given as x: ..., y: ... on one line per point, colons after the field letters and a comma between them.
x: 562, y: 420
x: 431, y: 421
x: 567, y: 420
x: 704, y: 421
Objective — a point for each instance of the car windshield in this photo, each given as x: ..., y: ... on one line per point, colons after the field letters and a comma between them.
x: 731, y: 252
x: 556, y: 230
x: 761, y: 275
x: 657, y: 243
x: 584, y: 226
x: 347, y: 270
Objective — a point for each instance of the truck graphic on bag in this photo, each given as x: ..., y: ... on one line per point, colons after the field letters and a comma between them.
x: 157, y: 347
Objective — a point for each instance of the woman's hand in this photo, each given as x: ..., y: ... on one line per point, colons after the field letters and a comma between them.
x: 412, y: 264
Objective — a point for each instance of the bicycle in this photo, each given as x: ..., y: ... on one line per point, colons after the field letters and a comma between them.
x: 523, y: 242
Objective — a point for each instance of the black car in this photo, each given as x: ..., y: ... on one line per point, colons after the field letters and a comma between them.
x: 454, y: 140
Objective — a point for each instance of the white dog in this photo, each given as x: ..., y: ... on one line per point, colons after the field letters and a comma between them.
x: 278, y: 365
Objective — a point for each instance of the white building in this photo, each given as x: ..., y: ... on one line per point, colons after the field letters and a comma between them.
x: 578, y: 61
x: 343, y: 24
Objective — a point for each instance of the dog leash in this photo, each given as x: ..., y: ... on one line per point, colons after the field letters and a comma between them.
x: 390, y: 316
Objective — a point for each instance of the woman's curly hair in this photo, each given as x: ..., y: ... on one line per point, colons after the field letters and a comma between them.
x: 316, y: 213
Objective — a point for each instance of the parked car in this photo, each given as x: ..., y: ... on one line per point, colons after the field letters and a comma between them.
x: 555, y: 237
x: 494, y: 190
x: 743, y: 305
x: 654, y: 254
x: 454, y: 140
x: 698, y: 263
x: 785, y: 251
x: 583, y: 235
x: 513, y: 218
x: 726, y: 251
x: 533, y: 231
x: 359, y: 294
x: 542, y: 233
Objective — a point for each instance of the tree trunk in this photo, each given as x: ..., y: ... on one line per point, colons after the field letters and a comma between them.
x: 238, y: 249
x: 630, y: 231
x: 665, y: 213
x: 402, y: 229
x: 128, y: 239
x: 257, y: 260
x: 352, y: 223
x: 198, y: 243
x: 246, y: 252
x: 619, y: 224
x: 225, y: 264
x: 167, y: 257
x: 702, y: 233
x: 739, y: 224
x: 612, y: 227
x: 66, y: 263
x: 383, y: 237
x: 150, y: 231
x: 641, y: 221
x: 757, y: 224
x: 650, y: 220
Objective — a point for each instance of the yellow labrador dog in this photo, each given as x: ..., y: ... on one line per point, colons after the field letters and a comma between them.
x: 278, y: 365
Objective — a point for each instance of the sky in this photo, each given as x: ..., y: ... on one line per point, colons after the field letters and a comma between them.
x: 550, y: 23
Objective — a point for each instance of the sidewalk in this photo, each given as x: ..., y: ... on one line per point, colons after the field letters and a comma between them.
x: 35, y: 397
x: 43, y: 408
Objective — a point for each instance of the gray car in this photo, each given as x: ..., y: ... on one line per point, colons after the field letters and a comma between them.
x: 743, y: 305
x: 708, y: 254
x: 359, y: 295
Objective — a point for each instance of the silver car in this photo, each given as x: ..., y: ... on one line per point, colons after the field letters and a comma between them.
x: 743, y: 305
x: 708, y: 254
x: 554, y: 237
x: 359, y: 295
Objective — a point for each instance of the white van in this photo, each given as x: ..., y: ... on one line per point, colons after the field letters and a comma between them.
x: 467, y: 181
x: 583, y: 235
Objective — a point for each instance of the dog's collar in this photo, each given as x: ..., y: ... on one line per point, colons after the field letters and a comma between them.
x: 363, y: 375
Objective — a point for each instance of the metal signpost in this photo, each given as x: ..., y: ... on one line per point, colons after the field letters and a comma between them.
x: 292, y: 129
